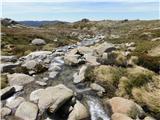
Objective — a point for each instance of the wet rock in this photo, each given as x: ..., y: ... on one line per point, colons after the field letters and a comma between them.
x: 41, y: 83
x: 79, y: 77
x: 35, y: 95
x: 27, y: 111
x: 41, y: 55
x: 7, y: 92
x: 7, y: 67
x: 5, y: 111
x: 38, y: 41
x: 97, y: 88
x: 15, y: 103
x: 54, y: 67
x: 19, y: 79
x: 124, y: 106
x: 8, y: 58
x: 79, y: 112
x: 53, y: 74
x: 119, y: 116
x: 45, y: 79
x: 54, y: 97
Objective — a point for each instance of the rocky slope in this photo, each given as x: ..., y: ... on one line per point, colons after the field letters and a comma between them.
x: 89, y: 80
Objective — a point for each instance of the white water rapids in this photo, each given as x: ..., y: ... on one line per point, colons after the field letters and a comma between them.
x: 96, y: 109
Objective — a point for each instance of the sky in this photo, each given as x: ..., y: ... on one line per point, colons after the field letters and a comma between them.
x: 73, y: 10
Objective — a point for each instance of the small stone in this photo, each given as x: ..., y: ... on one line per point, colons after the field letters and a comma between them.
x: 41, y: 83
x: 45, y: 79
x: 53, y: 74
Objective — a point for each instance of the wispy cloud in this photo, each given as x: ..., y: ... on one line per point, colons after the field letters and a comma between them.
x: 60, y: 1
x: 73, y: 11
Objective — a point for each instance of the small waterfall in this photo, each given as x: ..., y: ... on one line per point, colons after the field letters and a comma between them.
x: 96, y: 109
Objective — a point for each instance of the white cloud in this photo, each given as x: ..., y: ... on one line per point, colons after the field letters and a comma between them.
x: 59, y: 1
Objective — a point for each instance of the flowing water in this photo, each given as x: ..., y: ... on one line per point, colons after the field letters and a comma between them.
x: 96, y: 109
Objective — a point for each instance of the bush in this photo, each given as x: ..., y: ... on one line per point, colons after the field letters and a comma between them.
x: 148, y: 99
x: 106, y: 76
x: 136, y: 81
x: 150, y: 62
x: 40, y: 68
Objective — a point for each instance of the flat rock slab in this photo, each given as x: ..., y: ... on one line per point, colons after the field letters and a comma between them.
x: 27, y: 111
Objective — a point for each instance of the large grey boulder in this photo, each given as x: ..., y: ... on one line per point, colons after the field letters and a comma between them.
x: 38, y: 41
x: 19, y: 79
x: 7, y: 92
x: 54, y: 97
x: 79, y: 112
x: 27, y: 111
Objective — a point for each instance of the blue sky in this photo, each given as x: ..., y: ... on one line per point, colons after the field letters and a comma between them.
x: 73, y: 10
